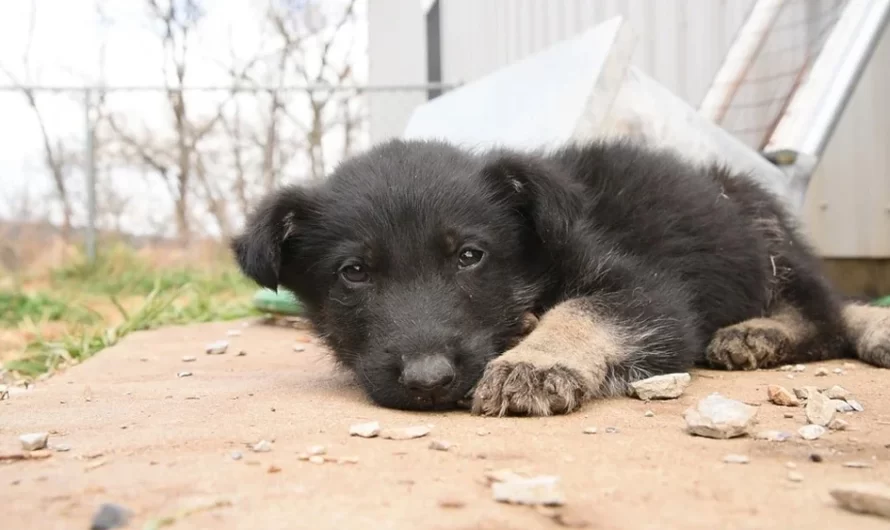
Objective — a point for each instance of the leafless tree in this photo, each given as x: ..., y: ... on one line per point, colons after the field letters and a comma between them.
x: 57, y: 157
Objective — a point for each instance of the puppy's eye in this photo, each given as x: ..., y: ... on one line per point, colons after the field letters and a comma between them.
x: 469, y: 257
x: 355, y: 273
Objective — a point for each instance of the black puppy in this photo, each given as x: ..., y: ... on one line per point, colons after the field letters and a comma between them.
x: 419, y: 263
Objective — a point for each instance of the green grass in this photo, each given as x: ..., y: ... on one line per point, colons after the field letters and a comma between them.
x: 16, y: 307
x: 167, y: 296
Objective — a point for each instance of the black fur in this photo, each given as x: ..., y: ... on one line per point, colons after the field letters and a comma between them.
x: 675, y: 250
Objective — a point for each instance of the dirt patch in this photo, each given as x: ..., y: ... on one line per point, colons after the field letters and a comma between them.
x: 181, y: 448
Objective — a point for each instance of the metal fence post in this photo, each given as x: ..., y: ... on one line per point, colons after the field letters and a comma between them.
x: 90, y: 174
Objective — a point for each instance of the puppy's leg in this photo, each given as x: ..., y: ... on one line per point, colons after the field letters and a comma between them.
x: 782, y: 337
x: 583, y: 349
x: 868, y: 330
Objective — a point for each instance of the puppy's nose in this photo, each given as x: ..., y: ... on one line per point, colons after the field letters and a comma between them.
x: 428, y: 375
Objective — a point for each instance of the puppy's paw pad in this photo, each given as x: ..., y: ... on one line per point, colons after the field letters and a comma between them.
x: 747, y: 347
x: 526, y: 390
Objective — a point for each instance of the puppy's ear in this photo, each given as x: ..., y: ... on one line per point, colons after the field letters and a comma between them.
x: 278, y: 217
x: 539, y: 190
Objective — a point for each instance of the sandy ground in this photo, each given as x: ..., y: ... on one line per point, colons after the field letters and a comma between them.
x: 158, y: 444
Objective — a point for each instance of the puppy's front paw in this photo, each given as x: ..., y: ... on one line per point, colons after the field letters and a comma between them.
x: 521, y: 388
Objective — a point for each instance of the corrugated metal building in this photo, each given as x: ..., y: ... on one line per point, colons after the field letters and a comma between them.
x: 682, y: 44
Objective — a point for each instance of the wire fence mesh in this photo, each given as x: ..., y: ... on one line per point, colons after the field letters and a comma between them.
x: 784, y: 50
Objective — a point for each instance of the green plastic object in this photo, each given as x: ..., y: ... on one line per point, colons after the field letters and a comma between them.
x: 282, y: 302
x: 885, y: 301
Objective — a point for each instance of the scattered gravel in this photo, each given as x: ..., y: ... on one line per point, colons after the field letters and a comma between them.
x: 668, y: 386
x: 811, y: 432
x: 780, y: 395
x: 217, y: 348
x: 820, y: 410
x: 837, y: 392
x: 535, y: 491
x: 34, y: 441
x: 263, y: 446
x: 405, y: 433
x: 718, y: 417
x: 736, y: 459
x: 189, y: 358
x: 772, y: 436
x: 838, y: 424
x: 871, y: 498
x: 365, y: 430
x: 183, y: 374
x: 440, y: 445
x: 110, y: 516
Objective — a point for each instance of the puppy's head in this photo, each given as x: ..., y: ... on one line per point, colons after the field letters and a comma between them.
x: 417, y: 262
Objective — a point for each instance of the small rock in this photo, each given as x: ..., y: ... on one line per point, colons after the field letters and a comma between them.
x: 838, y: 424
x: 795, y: 476
x: 786, y: 368
x: 837, y: 392
x: 452, y: 502
x: 541, y: 490
x: 772, y: 436
x: 788, y: 415
x: 855, y: 404
x: 820, y: 410
x: 790, y: 376
x: 316, y: 459
x: 110, y: 516
x: 838, y: 371
x: 849, y: 366
x: 317, y: 450
x: 236, y: 455
x: 217, y: 348
x: 440, y: 445
x: 790, y: 465
x: 347, y: 460
x: 668, y: 386
x: 816, y: 457
x: 589, y: 430
x: 857, y: 465
x: 718, y: 417
x: 62, y: 448
x: 263, y: 446
x: 611, y: 430
x: 298, y: 348
x: 303, y: 457
x: 241, y: 353
x: 405, y: 433
x: 871, y: 498
x: 780, y: 395
x: 821, y: 372
x: 649, y: 414
x: 273, y: 469
x: 365, y: 430
x: 841, y: 406
x: 804, y: 393
x: 736, y: 459
x: 183, y: 374
x: 189, y: 358
x: 811, y: 432
x: 233, y: 333
x: 482, y: 432
x: 798, y: 368
x: 34, y: 441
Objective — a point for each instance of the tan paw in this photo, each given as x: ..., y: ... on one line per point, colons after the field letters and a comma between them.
x: 873, y: 345
x: 748, y: 346
x: 521, y: 388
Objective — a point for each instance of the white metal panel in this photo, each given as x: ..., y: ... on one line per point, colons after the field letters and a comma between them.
x: 681, y: 41
x: 847, y: 211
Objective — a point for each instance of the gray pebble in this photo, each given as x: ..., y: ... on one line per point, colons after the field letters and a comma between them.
x: 110, y: 516
x: 236, y: 455
x: 611, y: 430
x: 855, y: 404
x: 217, y: 348
x: 263, y: 446
x: 62, y: 448
x: 184, y: 374
x: 189, y: 358
x: 590, y: 430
